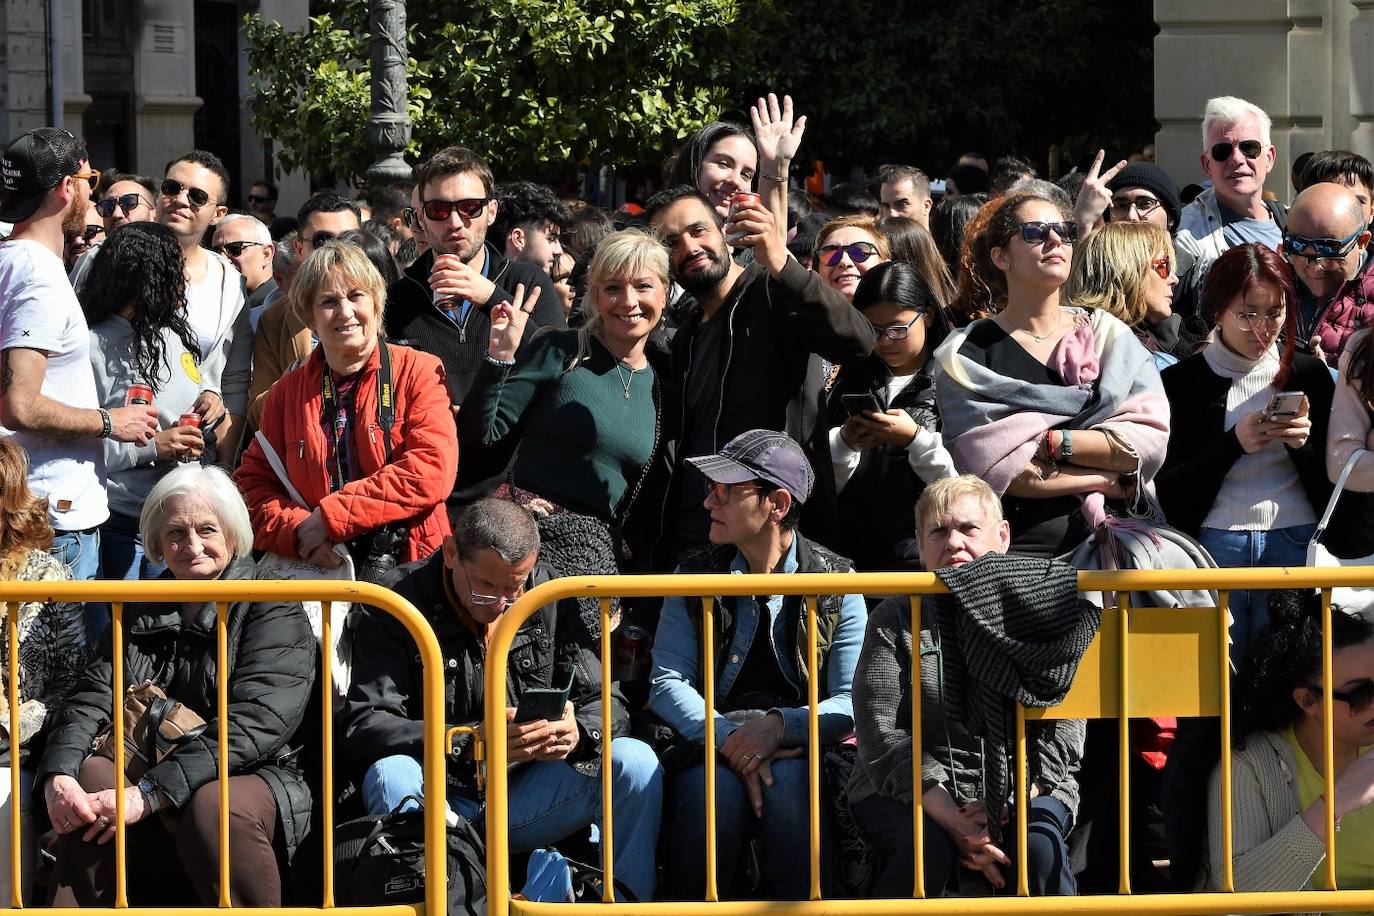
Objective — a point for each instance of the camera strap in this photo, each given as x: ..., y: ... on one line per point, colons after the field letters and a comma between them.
x: 386, y: 407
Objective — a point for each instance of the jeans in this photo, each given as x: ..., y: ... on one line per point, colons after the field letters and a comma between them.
x: 888, y: 825
x: 550, y: 800
x: 79, y: 551
x: 121, y: 551
x: 1279, y: 547
x: 784, y: 830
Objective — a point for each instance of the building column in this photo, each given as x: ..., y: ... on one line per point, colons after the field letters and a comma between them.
x: 165, y: 78
x: 75, y: 101
x: 1360, y: 60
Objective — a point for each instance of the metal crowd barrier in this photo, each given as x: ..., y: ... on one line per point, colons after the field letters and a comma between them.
x: 1119, y: 677
x: 122, y: 593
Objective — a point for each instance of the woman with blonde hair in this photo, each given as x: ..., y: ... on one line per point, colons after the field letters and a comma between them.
x: 580, y: 409
x: 848, y: 247
x: 1127, y: 270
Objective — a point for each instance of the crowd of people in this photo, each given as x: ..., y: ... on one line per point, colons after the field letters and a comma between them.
x: 461, y: 389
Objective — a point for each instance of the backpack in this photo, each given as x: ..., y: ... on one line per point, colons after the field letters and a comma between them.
x: 379, y: 860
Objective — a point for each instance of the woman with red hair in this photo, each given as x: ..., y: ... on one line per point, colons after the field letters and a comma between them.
x: 1248, y: 481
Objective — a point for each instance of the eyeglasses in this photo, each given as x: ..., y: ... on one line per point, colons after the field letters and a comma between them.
x: 1330, y: 253
x: 858, y: 252
x: 898, y: 331
x: 233, y: 249
x: 258, y: 199
x: 468, y: 208
x: 1144, y: 205
x: 91, y: 175
x: 1038, y: 233
x: 196, y: 197
x: 1161, y: 267
x: 88, y: 234
x: 487, y: 600
x: 126, y: 202
x: 1255, y: 320
x: 1358, y: 699
x: 720, y: 492
x: 1250, y: 149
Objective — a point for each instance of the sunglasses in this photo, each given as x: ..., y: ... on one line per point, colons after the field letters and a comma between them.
x: 1250, y: 149
x: 1297, y: 245
x: 258, y: 199
x: 858, y: 252
x: 1358, y: 699
x: 88, y: 234
x: 1161, y: 266
x: 319, y: 238
x: 898, y: 331
x: 1144, y: 204
x: 90, y: 175
x: 196, y: 197
x: 126, y: 202
x: 1038, y: 233
x: 720, y: 492
x: 233, y: 249
x: 468, y: 208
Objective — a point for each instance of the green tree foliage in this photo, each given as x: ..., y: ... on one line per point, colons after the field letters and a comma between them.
x: 532, y: 84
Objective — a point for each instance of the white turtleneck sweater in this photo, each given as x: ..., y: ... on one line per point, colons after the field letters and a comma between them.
x: 1261, y: 492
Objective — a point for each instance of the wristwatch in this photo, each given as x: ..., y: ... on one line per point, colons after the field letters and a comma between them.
x: 150, y: 797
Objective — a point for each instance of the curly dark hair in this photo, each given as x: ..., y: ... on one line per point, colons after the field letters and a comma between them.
x: 140, y: 266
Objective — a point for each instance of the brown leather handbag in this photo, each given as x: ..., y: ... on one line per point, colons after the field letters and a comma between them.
x: 154, y: 726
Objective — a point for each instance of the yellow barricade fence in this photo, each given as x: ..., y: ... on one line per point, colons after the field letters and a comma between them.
x: 121, y: 593
x: 1144, y: 662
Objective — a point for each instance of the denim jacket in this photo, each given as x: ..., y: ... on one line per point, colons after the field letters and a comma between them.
x: 675, y: 694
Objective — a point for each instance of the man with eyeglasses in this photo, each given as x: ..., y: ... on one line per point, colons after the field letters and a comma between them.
x: 463, y: 590
x: 1237, y: 156
x: 191, y: 198
x: 1327, y: 242
x: 247, y: 243
x: 755, y: 488
x: 324, y: 216
x: 48, y: 397
x: 261, y: 201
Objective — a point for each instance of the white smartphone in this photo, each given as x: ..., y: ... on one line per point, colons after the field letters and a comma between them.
x: 1284, y: 405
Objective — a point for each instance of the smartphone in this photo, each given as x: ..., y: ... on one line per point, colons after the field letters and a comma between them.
x: 855, y: 404
x: 543, y: 702
x: 1284, y: 405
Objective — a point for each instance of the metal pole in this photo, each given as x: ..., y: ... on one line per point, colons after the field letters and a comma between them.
x: 388, y: 125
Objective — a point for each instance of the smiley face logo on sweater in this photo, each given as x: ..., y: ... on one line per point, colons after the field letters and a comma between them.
x: 188, y: 364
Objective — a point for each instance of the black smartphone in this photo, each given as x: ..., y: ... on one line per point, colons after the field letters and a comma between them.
x: 543, y: 702
x: 855, y: 404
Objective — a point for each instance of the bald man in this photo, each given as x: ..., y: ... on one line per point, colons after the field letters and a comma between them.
x: 1327, y: 241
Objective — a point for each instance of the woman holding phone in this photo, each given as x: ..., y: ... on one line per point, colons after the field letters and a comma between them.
x: 1245, y: 471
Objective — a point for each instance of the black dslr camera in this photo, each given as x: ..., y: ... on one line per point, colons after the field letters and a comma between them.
x: 376, y: 552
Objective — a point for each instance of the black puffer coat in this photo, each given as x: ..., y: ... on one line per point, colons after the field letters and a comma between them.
x: 272, y: 657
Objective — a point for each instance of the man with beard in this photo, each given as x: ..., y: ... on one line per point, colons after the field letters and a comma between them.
x: 47, y: 390
x: 742, y: 353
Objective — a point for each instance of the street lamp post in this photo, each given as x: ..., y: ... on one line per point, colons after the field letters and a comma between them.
x: 388, y: 125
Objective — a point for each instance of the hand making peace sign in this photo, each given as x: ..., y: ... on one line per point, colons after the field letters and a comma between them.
x: 1094, y: 197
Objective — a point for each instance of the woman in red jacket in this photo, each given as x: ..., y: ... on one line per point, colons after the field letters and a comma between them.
x: 372, y: 472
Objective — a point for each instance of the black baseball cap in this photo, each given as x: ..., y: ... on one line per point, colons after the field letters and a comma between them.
x: 34, y: 164
x: 760, y: 454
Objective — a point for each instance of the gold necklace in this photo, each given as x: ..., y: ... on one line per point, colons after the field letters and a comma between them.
x: 1048, y: 334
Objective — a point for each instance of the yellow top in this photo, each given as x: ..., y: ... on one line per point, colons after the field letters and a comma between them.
x: 1354, y: 842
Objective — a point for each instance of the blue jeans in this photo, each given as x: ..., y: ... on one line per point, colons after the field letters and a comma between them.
x: 79, y: 551
x: 550, y: 800
x: 121, y: 551
x: 1280, y: 547
x: 784, y: 829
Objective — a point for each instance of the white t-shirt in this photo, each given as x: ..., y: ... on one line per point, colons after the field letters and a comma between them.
x: 39, y: 311
x: 205, y: 303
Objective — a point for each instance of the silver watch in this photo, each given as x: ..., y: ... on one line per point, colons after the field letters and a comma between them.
x: 150, y: 796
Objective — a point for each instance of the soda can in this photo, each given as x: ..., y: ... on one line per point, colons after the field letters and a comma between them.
x: 189, y: 419
x: 139, y: 394
x: 737, y: 200
x: 632, y: 654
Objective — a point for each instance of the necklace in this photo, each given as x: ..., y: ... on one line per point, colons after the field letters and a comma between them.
x: 625, y: 380
x: 1041, y: 338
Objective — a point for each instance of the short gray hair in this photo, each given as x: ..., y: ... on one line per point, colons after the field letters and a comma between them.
x: 1228, y: 109
x: 260, y: 233
x: 1042, y: 188
x: 209, y: 483
x: 499, y: 525
x: 284, y: 259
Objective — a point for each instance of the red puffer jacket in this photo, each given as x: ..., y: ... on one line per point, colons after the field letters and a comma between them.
x: 412, y: 488
x: 1351, y: 309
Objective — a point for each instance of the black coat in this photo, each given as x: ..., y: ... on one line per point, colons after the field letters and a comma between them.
x: 272, y: 657
x: 1201, y: 453
x: 384, y: 712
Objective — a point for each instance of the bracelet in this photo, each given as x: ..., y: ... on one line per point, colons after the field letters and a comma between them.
x: 778, y: 179
x: 106, y: 424
x: 502, y: 363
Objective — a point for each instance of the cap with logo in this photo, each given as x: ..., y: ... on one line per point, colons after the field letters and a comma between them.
x: 34, y: 164
x: 760, y: 454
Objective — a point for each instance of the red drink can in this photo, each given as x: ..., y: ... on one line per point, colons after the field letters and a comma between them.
x: 737, y: 200
x: 632, y: 654
x: 189, y: 419
x: 139, y: 394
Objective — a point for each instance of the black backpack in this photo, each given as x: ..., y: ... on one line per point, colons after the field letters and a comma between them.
x: 379, y: 860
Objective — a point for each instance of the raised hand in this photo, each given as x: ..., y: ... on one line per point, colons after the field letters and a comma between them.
x: 508, y: 322
x: 777, y: 134
x: 1094, y: 197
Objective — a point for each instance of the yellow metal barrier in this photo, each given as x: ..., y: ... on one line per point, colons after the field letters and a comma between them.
x: 1118, y: 678
x: 122, y: 593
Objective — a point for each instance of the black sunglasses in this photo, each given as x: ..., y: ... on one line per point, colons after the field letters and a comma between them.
x: 1037, y: 233
x: 1358, y: 699
x: 89, y: 233
x: 126, y: 202
x: 319, y: 238
x: 233, y: 249
x: 196, y: 197
x: 468, y: 208
x: 858, y: 252
x: 258, y: 199
x: 1250, y: 149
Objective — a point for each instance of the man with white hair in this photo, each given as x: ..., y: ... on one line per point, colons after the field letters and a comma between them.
x: 1237, y: 156
x: 247, y: 243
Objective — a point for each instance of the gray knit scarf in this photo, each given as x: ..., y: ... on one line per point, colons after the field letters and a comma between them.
x: 1016, y: 628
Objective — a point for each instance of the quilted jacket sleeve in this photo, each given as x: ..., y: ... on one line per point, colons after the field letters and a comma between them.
x: 274, y: 515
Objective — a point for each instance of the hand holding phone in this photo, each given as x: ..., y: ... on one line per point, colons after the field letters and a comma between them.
x: 1285, y: 406
x: 542, y: 703
x: 855, y: 404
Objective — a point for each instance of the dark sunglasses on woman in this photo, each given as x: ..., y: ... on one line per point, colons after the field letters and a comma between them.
x: 1360, y: 698
x: 126, y: 202
x: 858, y: 252
x: 1250, y: 149
x: 468, y: 208
x: 196, y: 197
x: 1037, y: 233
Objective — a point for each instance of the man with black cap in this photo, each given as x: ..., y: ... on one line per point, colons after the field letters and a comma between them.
x: 1143, y: 192
x: 755, y: 487
x: 47, y: 387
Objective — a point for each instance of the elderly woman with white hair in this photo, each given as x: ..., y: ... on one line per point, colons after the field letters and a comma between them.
x: 196, y: 523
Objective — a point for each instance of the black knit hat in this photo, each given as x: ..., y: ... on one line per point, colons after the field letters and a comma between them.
x: 1152, y: 178
x: 34, y: 164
